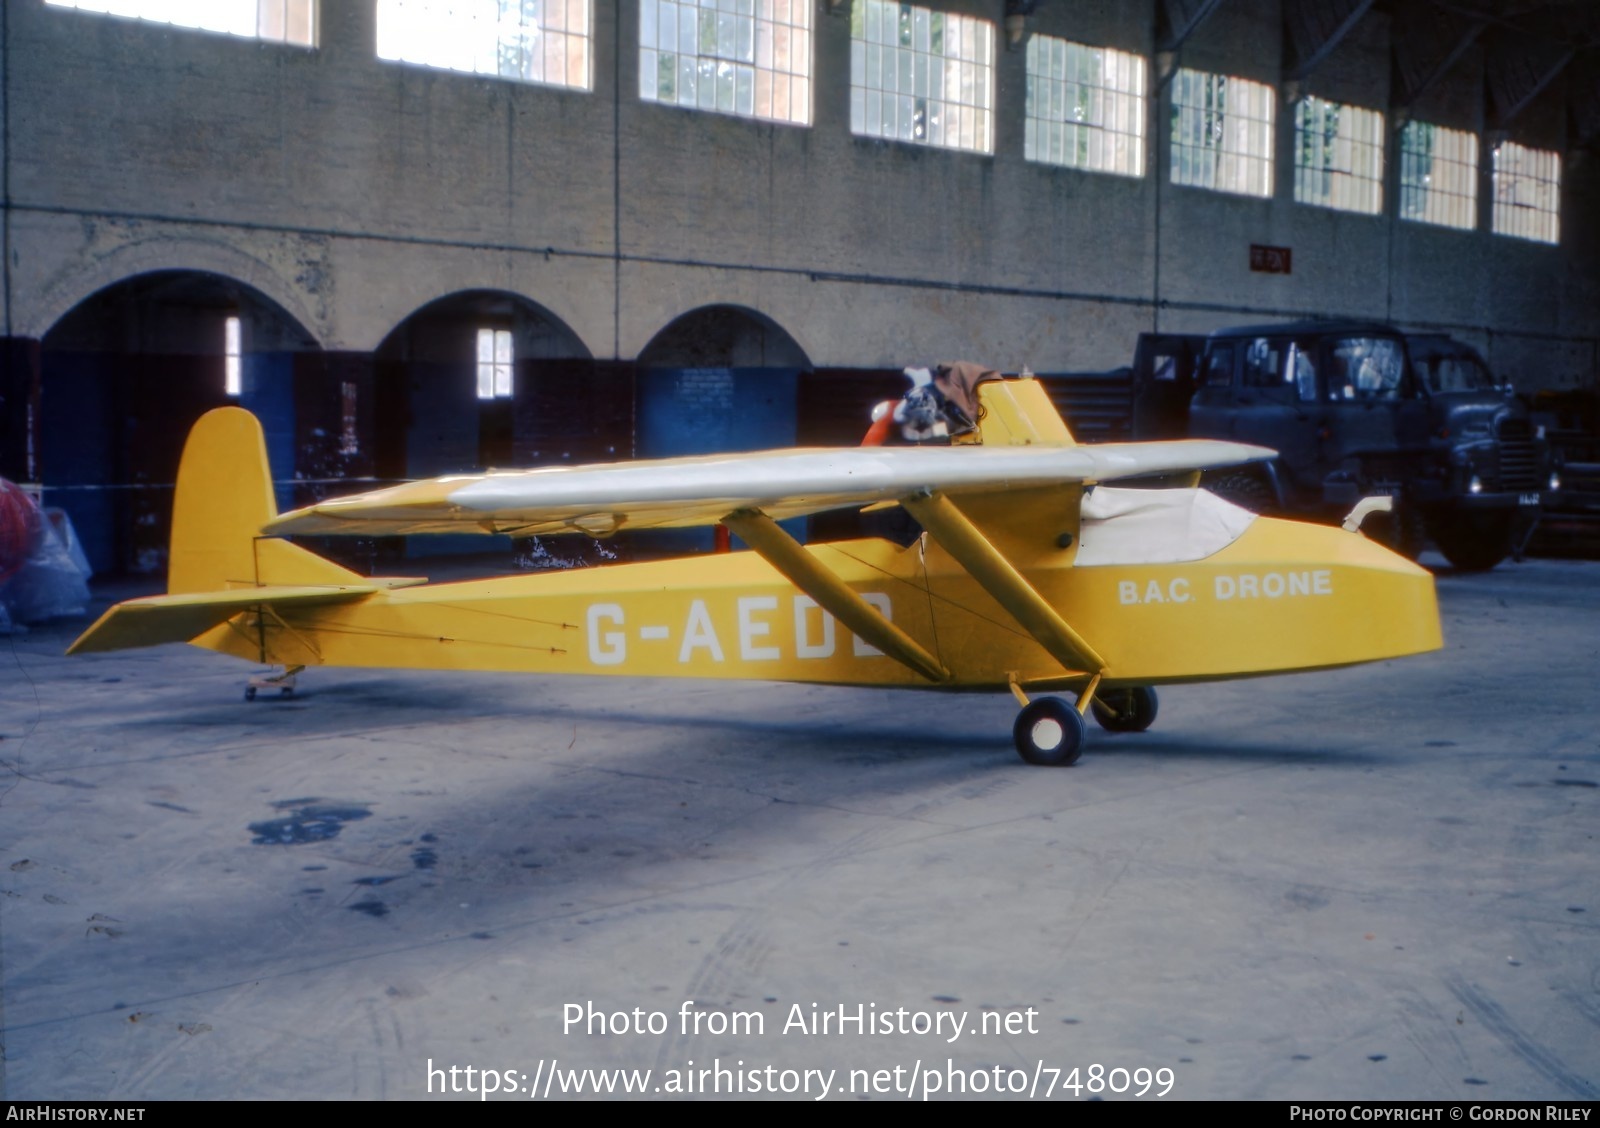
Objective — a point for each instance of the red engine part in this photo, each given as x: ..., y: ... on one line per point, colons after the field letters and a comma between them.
x: 21, y: 525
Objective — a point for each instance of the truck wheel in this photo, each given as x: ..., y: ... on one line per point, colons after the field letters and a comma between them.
x: 1474, y: 544
x: 1402, y: 530
x: 1244, y: 489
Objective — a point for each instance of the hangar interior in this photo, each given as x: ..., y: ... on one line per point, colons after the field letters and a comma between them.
x: 425, y: 238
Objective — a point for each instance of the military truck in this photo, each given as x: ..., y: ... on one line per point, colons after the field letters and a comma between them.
x: 1571, y: 518
x: 1354, y: 409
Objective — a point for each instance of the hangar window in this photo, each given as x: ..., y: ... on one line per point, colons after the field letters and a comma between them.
x: 1439, y: 175
x: 750, y: 57
x: 278, y: 21
x: 495, y: 362
x: 349, y: 414
x: 1085, y: 107
x: 544, y: 41
x: 232, y: 357
x: 1527, y: 193
x: 1338, y: 156
x: 921, y: 76
x: 1222, y: 133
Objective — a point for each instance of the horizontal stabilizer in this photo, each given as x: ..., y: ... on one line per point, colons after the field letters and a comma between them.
x: 702, y: 490
x: 180, y: 618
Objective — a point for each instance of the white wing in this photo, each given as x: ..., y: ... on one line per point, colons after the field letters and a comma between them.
x: 679, y: 492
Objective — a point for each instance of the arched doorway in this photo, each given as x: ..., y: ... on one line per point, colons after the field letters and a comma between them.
x: 486, y: 379
x: 127, y: 371
x: 716, y: 379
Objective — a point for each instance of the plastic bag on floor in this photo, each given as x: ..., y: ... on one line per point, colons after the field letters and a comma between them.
x: 43, y: 572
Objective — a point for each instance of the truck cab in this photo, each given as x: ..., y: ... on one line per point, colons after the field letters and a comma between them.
x: 1356, y: 409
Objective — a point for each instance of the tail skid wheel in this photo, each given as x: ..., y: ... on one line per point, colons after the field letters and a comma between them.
x: 284, y: 691
x: 1049, y: 732
x: 1125, y: 710
x: 282, y: 682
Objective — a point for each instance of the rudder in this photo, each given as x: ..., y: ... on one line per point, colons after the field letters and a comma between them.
x: 1019, y: 413
x: 223, y: 498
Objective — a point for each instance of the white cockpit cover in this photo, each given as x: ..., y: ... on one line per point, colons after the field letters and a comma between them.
x: 1123, y: 526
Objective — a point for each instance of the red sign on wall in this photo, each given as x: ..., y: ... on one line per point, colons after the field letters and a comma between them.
x: 1269, y: 260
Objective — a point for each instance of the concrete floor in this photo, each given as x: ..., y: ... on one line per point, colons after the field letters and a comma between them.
x: 1375, y: 883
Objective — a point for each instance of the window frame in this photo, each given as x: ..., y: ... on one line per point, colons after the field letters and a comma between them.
x: 496, y: 372
x: 777, y: 27
x: 411, y: 45
x: 1348, y: 144
x: 273, y: 21
x: 1203, y: 153
x: 1422, y: 200
x: 1059, y: 107
x: 899, y: 117
x: 1533, y: 222
x: 232, y: 356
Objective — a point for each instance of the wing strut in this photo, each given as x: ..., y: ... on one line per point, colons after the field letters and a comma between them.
x: 784, y: 553
x: 995, y: 574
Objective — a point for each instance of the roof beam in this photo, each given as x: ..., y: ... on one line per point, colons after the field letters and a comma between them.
x: 1314, y: 28
x: 1428, y: 40
x: 1179, y: 19
x: 1519, y: 68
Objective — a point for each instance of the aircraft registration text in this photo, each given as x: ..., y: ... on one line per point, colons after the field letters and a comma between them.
x: 749, y: 638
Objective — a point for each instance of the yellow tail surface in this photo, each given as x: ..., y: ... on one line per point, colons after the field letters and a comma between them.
x: 223, y: 498
x: 1019, y: 413
x: 220, y: 565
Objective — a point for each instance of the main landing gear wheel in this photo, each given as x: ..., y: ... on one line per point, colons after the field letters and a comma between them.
x: 1132, y: 709
x: 1049, y: 731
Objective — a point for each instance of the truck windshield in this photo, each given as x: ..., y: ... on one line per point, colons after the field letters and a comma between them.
x: 1454, y: 372
x: 1365, y: 368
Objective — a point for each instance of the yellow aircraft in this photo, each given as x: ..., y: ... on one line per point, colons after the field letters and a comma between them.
x: 1031, y: 574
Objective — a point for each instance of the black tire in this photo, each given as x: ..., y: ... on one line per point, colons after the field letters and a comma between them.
x: 1049, y: 732
x: 1474, y: 544
x: 1401, y: 529
x: 1244, y: 489
x: 249, y: 693
x: 1132, y: 709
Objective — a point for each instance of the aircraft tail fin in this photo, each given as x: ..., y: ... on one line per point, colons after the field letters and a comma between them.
x: 1019, y: 413
x: 223, y: 498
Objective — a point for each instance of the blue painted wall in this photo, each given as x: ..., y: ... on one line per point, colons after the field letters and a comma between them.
x: 712, y: 411
x: 267, y: 390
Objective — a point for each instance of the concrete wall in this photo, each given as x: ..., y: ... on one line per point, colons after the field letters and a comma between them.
x: 352, y: 192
